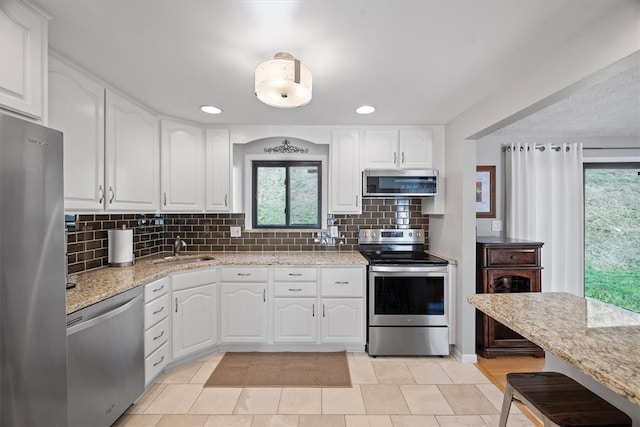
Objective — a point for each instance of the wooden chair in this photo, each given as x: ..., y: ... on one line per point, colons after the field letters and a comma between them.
x: 559, y: 401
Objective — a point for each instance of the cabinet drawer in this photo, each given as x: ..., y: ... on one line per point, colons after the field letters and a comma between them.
x: 155, y: 363
x: 156, y: 289
x: 295, y: 274
x: 342, y: 282
x: 193, y: 278
x: 247, y: 274
x: 520, y: 257
x: 156, y: 310
x: 155, y: 336
x: 295, y: 289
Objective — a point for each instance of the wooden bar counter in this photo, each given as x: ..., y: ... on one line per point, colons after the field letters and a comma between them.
x: 592, y: 338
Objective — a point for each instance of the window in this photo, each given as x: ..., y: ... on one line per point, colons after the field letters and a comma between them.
x: 286, y: 194
x: 612, y: 233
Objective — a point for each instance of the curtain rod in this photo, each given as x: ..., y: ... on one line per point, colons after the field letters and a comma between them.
x: 506, y: 148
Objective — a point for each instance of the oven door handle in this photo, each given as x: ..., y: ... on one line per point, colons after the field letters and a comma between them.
x: 395, y: 269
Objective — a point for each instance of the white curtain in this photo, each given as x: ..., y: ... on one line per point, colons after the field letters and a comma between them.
x: 544, y: 202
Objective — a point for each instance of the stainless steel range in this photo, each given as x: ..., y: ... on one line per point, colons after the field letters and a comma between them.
x: 408, y: 294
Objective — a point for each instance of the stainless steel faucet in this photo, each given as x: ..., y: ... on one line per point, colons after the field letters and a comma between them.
x: 178, y: 246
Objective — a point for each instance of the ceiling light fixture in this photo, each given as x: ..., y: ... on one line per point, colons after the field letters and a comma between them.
x: 210, y: 109
x: 283, y: 82
x: 365, y: 109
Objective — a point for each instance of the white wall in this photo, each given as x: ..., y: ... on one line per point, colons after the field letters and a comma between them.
x: 609, y: 39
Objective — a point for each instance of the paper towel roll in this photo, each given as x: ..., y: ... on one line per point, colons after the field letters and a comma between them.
x: 120, y: 247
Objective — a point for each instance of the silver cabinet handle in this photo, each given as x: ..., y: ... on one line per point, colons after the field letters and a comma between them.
x: 395, y: 157
x: 313, y: 310
x: 159, y: 311
x: 323, y: 311
x: 158, y: 362
x: 101, y: 193
x: 341, y: 283
x: 158, y: 289
x: 403, y: 157
x: 226, y: 200
x: 112, y: 194
x: 356, y: 200
x: 159, y: 336
x: 295, y: 274
x: 295, y: 289
x: 165, y: 198
x: 264, y: 295
x: 176, y: 305
x: 243, y: 274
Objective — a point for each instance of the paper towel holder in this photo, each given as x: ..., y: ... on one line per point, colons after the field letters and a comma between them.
x: 120, y: 247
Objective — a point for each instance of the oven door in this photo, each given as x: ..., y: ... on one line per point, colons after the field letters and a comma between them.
x: 408, y: 296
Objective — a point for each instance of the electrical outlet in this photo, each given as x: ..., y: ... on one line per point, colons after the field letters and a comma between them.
x: 496, y: 225
x: 235, y: 231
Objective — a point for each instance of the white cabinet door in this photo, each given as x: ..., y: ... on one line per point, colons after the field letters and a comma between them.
x: 295, y: 320
x: 381, y: 149
x: 132, y: 156
x: 217, y: 170
x: 345, y: 174
x: 416, y: 149
x: 194, y: 320
x: 23, y: 50
x: 182, y: 167
x: 243, y: 311
x: 76, y: 107
x: 343, y: 320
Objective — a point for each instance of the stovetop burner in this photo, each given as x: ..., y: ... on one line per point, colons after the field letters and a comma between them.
x: 401, y: 246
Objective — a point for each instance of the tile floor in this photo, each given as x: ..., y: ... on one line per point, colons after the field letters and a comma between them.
x: 386, y: 392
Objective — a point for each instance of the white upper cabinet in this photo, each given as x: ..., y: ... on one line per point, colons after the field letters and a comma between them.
x: 132, y: 156
x: 76, y: 107
x: 345, y: 172
x: 393, y: 149
x: 182, y: 167
x: 23, y: 58
x: 217, y: 170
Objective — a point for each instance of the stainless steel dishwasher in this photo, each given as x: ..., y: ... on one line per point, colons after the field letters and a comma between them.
x: 105, y: 359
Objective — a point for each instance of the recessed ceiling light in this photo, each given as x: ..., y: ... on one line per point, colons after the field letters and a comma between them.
x: 210, y: 109
x: 365, y: 109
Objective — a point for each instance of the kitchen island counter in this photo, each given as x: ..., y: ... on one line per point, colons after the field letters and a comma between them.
x: 597, y: 339
x: 96, y: 285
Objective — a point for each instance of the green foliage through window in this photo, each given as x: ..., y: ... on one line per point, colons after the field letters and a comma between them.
x: 286, y: 194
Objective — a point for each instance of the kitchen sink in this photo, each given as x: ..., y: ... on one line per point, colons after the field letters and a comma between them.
x: 182, y: 259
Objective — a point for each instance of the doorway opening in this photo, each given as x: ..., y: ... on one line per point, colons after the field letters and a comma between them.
x: 612, y: 233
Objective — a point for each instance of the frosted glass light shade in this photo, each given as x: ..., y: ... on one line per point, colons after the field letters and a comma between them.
x: 283, y: 82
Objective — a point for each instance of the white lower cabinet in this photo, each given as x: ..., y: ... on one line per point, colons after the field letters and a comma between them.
x: 194, y: 311
x: 343, y: 320
x: 243, y: 312
x: 156, y: 328
x: 194, y: 320
x: 294, y: 320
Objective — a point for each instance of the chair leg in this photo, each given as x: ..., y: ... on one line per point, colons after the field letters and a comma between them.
x: 506, y: 405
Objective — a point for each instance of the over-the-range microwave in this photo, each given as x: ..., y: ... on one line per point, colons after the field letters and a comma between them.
x: 400, y: 183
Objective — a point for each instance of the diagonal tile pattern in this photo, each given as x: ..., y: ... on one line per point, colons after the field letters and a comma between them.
x: 386, y: 392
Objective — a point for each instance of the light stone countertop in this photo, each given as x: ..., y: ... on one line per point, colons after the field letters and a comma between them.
x: 97, y: 285
x: 598, y: 339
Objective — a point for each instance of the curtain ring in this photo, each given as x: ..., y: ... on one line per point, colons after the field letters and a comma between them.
x: 542, y: 148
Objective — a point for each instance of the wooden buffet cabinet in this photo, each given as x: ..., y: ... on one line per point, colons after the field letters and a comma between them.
x: 505, y: 265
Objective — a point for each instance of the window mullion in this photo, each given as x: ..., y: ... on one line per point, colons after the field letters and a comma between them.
x: 287, y: 209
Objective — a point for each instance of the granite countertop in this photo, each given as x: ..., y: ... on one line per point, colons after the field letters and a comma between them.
x: 97, y: 285
x: 596, y: 338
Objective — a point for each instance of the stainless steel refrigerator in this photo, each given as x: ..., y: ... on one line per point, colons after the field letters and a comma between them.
x: 33, y: 348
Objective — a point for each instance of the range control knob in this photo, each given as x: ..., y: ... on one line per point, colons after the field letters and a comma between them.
x: 410, y: 234
x: 418, y: 234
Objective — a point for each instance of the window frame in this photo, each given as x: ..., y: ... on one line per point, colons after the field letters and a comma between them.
x: 287, y: 164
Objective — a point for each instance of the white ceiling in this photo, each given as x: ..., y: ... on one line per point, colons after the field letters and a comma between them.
x: 418, y: 62
x: 608, y: 109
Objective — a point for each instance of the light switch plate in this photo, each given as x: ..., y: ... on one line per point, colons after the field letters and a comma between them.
x: 235, y: 231
x: 496, y: 225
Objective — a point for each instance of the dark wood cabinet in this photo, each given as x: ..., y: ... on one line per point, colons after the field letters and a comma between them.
x: 505, y: 265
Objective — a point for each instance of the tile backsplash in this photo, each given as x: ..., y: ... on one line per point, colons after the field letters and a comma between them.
x: 87, y: 241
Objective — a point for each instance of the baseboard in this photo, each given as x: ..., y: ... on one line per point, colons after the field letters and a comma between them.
x: 464, y: 358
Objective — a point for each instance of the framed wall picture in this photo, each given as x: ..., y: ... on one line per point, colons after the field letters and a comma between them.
x: 485, y: 192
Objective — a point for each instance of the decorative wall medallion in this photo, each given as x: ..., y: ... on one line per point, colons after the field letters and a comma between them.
x: 286, y: 147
